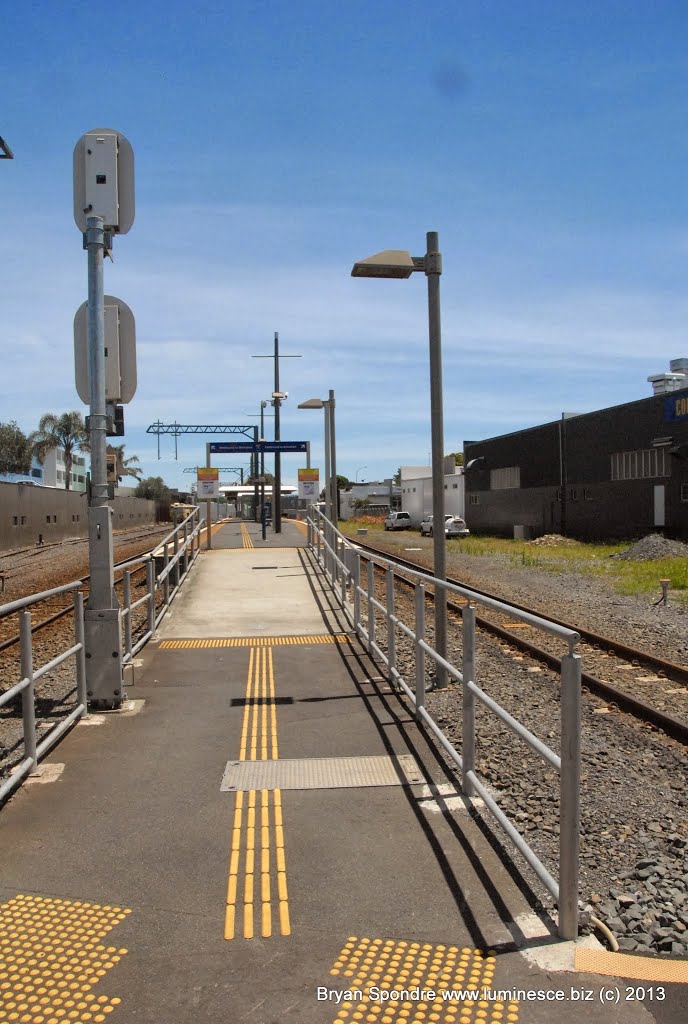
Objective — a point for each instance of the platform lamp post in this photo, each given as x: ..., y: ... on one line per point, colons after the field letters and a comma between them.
x: 279, y: 397
x: 359, y: 470
x: 331, y: 489
x: 399, y: 264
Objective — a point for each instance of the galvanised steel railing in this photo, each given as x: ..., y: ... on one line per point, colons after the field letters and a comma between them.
x: 177, y: 553
x: 342, y: 563
x: 29, y: 674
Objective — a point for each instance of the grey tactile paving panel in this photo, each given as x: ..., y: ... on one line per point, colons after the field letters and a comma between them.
x: 321, y: 773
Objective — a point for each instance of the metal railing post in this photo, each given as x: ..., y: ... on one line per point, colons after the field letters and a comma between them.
x: 371, y: 608
x: 468, y: 700
x: 175, y: 552
x: 357, y: 591
x: 185, y: 556
x: 420, y: 653
x: 26, y: 669
x: 569, y: 826
x: 391, y: 633
x: 79, y: 638
x: 166, y: 581
x: 126, y: 600
x: 342, y: 578
x: 150, y: 579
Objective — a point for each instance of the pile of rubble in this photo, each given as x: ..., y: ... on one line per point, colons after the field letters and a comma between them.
x: 654, y: 546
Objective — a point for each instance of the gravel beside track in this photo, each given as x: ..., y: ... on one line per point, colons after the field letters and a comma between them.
x: 634, y: 830
x: 30, y: 571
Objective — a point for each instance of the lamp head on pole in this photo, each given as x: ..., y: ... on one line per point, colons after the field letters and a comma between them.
x: 392, y: 263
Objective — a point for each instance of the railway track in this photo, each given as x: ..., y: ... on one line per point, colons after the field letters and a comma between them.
x: 618, y: 658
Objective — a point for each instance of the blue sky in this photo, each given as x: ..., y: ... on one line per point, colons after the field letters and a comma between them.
x: 276, y: 143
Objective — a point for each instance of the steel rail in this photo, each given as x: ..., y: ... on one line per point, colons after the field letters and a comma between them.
x: 672, y: 726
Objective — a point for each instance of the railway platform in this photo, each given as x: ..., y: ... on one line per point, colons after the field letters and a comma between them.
x: 267, y: 836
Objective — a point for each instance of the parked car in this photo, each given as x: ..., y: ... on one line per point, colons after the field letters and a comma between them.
x: 454, y: 526
x: 398, y: 521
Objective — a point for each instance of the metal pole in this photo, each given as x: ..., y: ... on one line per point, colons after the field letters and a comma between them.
x: 263, y: 517
x: 308, y: 455
x: 150, y: 580
x: 80, y: 659
x: 100, y: 527
x: 569, y: 792
x: 420, y: 653
x: 126, y: 592
x: 433, y: 270
x: 208, y: 540
x: 468, y: 724
x: 256, y: 485
x: 391, y: 629
x: 334, y: 500
x: 328, y: 489
x: 371, y: 607
x: 102, y: 621
x: 277, y: 499
x: 28, y: 702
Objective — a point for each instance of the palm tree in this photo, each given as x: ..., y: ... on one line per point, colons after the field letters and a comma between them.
x: 67, y: 432
x: 124, y: 466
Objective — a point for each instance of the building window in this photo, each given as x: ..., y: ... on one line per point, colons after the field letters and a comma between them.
x: 454, y: 486
x: 15, y: 520
x: 54, y: 519
x: 473, y: 499
x: 684, y: 492
x: 573, y: 494
x: 640, y: 465
x: 504, y: 478
x: 47, y: 519
x: 557, y: 494
x: 23, y: 520
x: 587, y: 496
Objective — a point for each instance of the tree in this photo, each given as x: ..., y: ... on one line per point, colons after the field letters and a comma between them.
x: 15, y: 449
x: 396, y: 479
x: 124, y: 466
x: 343, y: 482
x: 269, y: 479
x: 153, y: 488
x: 458, y: 458
x: 67, y: 432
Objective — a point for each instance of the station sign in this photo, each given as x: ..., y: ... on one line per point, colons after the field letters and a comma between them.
x: 308, y: 483
x: 208, y: 482
x: 251, y: 447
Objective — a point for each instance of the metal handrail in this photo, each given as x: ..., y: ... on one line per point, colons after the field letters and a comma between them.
x: 341, y: 560
x: 186, y: 538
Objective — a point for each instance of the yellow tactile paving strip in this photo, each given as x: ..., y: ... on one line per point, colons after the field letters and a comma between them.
x: 246, y: 537
x: 639, y: 968
x: 255, y: 641
x: 51, y: 958
x: 393, y: 982
x: 257, y: 896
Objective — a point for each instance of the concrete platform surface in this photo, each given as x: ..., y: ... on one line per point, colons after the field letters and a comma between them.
x: 135, y: 889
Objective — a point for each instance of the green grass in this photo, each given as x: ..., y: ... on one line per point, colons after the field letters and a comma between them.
x: 625, y: 577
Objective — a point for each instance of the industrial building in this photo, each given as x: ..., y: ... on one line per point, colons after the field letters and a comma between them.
x: 617, y: 473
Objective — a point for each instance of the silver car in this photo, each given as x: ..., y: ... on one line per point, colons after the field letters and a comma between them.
x: 397, y: 521
x: 454, y: 526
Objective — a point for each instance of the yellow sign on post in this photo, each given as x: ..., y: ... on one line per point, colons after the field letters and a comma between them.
x: 208, y: 482
x: 308, y: 483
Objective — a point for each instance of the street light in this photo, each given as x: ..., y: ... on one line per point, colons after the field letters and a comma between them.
x: 399, y: 264
x: 359, y: 470
x: 331, y: 489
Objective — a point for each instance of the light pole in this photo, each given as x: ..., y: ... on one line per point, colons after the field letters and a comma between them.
x: 395, y: 263
x: 331, y: 489
x: 278, y: 397
x: 359, y: 470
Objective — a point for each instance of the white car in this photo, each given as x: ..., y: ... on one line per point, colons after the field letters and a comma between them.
x: 398, y: 521
x: 454, y: 526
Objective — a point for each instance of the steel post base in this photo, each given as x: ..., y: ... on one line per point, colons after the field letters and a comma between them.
x: 103, y: 637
